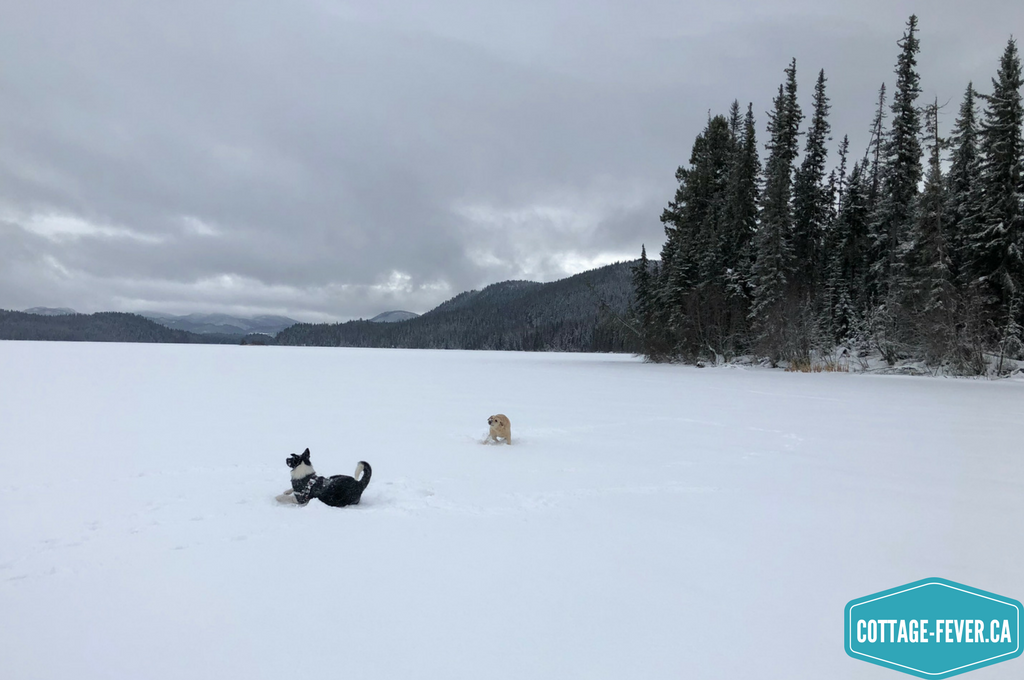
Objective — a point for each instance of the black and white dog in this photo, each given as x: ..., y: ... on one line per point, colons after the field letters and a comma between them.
x: 338, y: 490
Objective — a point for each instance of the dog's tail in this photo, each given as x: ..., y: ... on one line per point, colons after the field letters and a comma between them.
x: 363, y: 472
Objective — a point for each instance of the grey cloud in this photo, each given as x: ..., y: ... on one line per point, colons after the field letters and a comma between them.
x: 327, y: 159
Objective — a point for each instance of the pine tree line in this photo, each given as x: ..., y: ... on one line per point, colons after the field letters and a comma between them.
x: 915, y: 250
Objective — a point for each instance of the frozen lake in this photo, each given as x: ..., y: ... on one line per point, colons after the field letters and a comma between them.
x: 649, y: 521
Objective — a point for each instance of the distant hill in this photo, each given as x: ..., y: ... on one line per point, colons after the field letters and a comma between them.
x: 100, y: 327
x: 391, y: 317
x: 565, y: 315
x: 582, y: 313
x: 50, y: 311
x: 222, y: 324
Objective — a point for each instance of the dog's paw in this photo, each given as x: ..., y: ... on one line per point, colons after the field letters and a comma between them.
x: 285, y: 498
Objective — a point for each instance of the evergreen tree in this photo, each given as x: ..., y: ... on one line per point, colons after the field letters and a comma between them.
x: 998, y: 246
x: 840, y: 180
x: 676, y: 271
x: 773, y: 263
x: 739, y: 229
x: 744, y: 185
x: 835, y: 242
x: 931, y: 266
x: 811, y: 197
x: 888, y: 254
x: 874, y: 152
x: 963, y: 189
x: 735, y: 121
x: 1011, y: 337
x: 900, y: 175
x: 643, y: 303
x: 846, y: 255
x: 642, y: 294
x: 694, y: 259
x: 707, y: 199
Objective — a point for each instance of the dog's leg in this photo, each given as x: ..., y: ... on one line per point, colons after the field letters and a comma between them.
x: 508, y: 438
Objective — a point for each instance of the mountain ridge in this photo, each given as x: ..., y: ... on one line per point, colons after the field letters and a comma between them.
x: 50, y: 311
x: 393, y: 316
x: 98, y: 327
x: 223, y: 324
x: 580, y: 313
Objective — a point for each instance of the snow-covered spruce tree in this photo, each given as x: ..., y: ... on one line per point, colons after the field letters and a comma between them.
x: 643, y: 303
x: 771, y: 316
x: 811, y: 198
x: 735, y: 121
x: 1011, y: 337
x: 997, y: 247
x: 692, y: 258
x: 901, y: 169
x: 891, y: 233
x: 665, y: 278
x: 741, y: 201
x: 738, y: 230
x: 676, y: 270
x: 707, y: 199
x: 700, y: 300
x: 838, y: 180
x: 966, y: 332
x: 930, y: 292
x: 963, y: 184
x: 845, y: 253
x: 873, y: 155
x: 701, y: 323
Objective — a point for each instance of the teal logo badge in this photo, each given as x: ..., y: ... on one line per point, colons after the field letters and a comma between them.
x: 933, y: 628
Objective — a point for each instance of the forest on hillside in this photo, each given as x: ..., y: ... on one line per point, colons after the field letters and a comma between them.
x: 586, y: 312
x: 99, y: 327
x: 582, y: 313
x: 914, y: 250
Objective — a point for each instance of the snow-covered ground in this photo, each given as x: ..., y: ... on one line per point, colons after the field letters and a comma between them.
x: 649, y: 521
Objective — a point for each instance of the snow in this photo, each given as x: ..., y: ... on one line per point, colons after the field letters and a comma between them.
x: 649, y: 521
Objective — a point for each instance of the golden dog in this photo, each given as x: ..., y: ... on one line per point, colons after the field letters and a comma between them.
x: 500, y: 427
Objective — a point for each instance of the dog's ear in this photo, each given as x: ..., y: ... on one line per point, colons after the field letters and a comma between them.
x: 305, y: 455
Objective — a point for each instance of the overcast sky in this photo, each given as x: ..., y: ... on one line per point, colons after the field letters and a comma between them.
x: 330, y: 160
